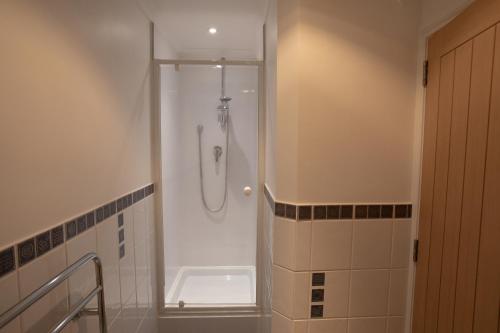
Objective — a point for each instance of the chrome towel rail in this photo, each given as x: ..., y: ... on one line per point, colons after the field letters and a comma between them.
x: 98, y: 291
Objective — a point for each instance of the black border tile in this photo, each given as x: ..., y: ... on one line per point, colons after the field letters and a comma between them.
x: 317, y: 295
x: 26, y: 251
x: 106, y: 211
x: 120, y: 220
x: 387, y: 211
x: 291, y: 211
x: 304, y: 213
x: 409, y: 211
x: 57, y: 236
x: 121, y: 236
x: 374, y: 211
x: 121, y: 251
x: 318, y: 279
x: 361, y: 211
x: 90, y: 219
x: 7, y: 261
x: 71, y: 230
x: 43, y: 243
x: 99, y: 215
x: 320, y: 212
x: 333, y: 212
x: 346, y: 212
x: 81, y: 224
x: 280, y: 209
x: 112, y: 208
x: 401, y: 211
x: 316, y: 311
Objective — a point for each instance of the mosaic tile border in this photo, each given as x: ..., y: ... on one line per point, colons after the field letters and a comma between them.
x: 338, y: 211
x: 34, y: 247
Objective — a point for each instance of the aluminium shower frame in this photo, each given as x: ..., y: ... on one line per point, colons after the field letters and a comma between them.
x: 157, y: 174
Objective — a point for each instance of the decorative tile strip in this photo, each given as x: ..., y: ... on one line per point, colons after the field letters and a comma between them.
x: 34, y: 247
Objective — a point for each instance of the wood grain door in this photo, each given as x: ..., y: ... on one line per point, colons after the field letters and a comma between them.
x: 457, y: 286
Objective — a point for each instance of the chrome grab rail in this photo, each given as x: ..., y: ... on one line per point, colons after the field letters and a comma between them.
x: 32, y: 298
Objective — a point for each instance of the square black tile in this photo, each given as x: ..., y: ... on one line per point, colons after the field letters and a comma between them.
x: 120, y: 220
x: 135, y: 197
x: 7, y: 261
x: 409, y: 211
x: 333, y: 212
x: 361, y: 212
x: 317, y: 295
x: 112, y: 208
x: 90, y: 219
x: 26, y: 251
x: 119, y: 205
x: 71, y: 230
x: 43, y: 244
x: 374, y: 211
x: 280, y: 209
x: 291, y: 212
x: 121, y: 251
x: 346, y: 212
x: 387, y: 211
x: 142, y: 194
x: 99, y: 214
x: 129, y: 200
x: 316, y: 311
x: 57, y: 236
x: 81, y: 224
x: 401, y: 211
x: 318, y: 279
x: 121, y: 236
x: 320, y: 212
x: 305, y: 213
x: 106, y: 211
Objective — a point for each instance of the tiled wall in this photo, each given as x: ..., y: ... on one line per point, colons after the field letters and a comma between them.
x: 122, y: 234
x: 340, y: 268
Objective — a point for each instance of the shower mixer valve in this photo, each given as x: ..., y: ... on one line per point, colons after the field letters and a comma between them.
x: 217, y: 153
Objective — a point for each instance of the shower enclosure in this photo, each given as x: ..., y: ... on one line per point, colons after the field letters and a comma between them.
x: 210, y: 184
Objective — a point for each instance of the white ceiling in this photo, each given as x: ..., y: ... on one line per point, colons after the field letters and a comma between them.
x: 185, y: 24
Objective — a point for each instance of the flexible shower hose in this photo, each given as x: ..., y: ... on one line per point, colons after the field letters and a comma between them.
x: 202, y: 189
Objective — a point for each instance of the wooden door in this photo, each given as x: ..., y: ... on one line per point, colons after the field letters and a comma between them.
x: 457, y: 286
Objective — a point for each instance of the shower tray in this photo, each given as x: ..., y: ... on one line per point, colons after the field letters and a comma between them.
x: 205, y: 286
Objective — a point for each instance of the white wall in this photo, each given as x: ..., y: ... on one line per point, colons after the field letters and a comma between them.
x: 192, y: 236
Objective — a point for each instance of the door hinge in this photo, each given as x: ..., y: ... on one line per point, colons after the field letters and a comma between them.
x: 425, y: 78
x: 415, y: 250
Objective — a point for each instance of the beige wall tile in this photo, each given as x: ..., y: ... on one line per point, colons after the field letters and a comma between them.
x: 127, y: 263
x: 401, y: 244
x: 291, y: 244
x: 398, y: 292
x: 107, y: 249
x: 83, y: 281
x: 336, y: 294
x: 371, y: 244
x: 331, y: 245
x: 283, y: 240
x: 291, y: 293
x: 367, y: 325
x: 368, y: 293
x: 282, y: 324
x: 396, y: 325
x: 10, y: 296
x: 41, y: 316
x: 328, y: 326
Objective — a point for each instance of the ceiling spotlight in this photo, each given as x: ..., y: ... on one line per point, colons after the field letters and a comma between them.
x: 212, y: 31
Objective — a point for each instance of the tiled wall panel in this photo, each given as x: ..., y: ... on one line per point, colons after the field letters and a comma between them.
x: 355, y: 259
x: 126, y: 223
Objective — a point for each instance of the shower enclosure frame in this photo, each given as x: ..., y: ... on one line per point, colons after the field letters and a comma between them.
x: 212, y: 310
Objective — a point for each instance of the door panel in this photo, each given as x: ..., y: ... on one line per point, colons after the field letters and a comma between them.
x: 457, y: 286
x: 482, y: 65
x: 456, y: 169
x: 488, y: 276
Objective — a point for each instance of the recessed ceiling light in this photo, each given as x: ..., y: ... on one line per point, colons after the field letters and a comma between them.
x: 212, y: 31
